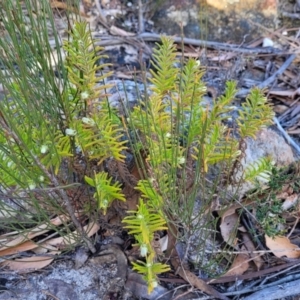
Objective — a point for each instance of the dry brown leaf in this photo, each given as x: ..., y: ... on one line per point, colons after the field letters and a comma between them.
x: 120, y: 32
x: 295, y: 111
x: 25, y: 246
x: 55, y: 221
x: 242, y: 229
x: 164, y: 243
x: 287, y: 93
x: 231, y: 209
x: 29, y: 264
x: 192, y: 279
x: 256, y: 257
x: 23, y: 238
x: 16, y: 242
x: 189, y: 54
x: 289, y: 202
x: 295, y: 131
x: 21, y: 243
x: 280, y: 109
x: 230, y: 222
x: 71, y: 238
x: 61, y: 5
x: 42, y: 250
x: 223, y: 57
x: 228, y: 227
x: 282, y: 246
x: 240, y: 265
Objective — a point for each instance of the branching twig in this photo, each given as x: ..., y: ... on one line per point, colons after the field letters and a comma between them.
x: 277, y: 292
x: 287, y: 137
x: 257, y: 288
x: 141, y: 18
x: 266, y: 83
x: 101, y: 16
x: 252, y: 274
x: 152, y: 37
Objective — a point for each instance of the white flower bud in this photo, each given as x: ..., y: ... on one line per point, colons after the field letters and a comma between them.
x: 32, y: 186
x: 88, y: 121
x: 84, y: 95
x: 70, y: 132
x: 151, y: 180
x: 154, y: 283
x: 44, y: 149
x: 144, y: 250
x: 149, y: 265
x: 168, y: 135
x: 140, y: 216
x: 181, y: 160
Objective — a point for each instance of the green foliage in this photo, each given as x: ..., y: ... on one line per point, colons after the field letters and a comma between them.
x: 261, y: 170
x: 165, y: 78
x: 106, y: 191
x: 52, y: 117
x: 268, y: 214
x: 177, y: 126
x: 143, y: 223
x: 48, y: 123
x: 269, y: 208
x: 151, y: 195
x: 150, y: 270
x: 83, y: 71
x: 255, y: 114
x: 184, y: 138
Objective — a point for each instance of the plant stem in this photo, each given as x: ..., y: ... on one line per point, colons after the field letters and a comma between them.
x: 54, y: 181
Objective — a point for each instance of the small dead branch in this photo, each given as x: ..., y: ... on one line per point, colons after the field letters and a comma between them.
x: 152, y: 37
x: 254, y: 288
x: 286, y: 136
x: 253, y: 274
x: 277, y: 292
x: 141, y: 18
x: 270, y: 80
x: 291, y: 15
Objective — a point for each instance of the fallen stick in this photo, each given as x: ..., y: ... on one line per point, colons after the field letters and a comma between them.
x: 277, y: 292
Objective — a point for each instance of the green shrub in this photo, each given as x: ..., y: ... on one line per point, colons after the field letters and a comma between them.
x: 48, y: 123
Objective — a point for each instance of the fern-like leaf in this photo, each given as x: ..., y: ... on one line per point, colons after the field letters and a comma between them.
x: 261, y: 170
x: 165, y: 76
x: 255, y: 115
x: 144, y: 222
x: 150, y: 270
x: 106, y: 191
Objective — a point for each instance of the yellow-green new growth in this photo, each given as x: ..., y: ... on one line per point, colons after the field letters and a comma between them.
x: 88, y: 124
x: 255, y: 114
x: 106, y: 191
x: 183, y: 136
x: 143, y: 223
x: 82, y: 64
